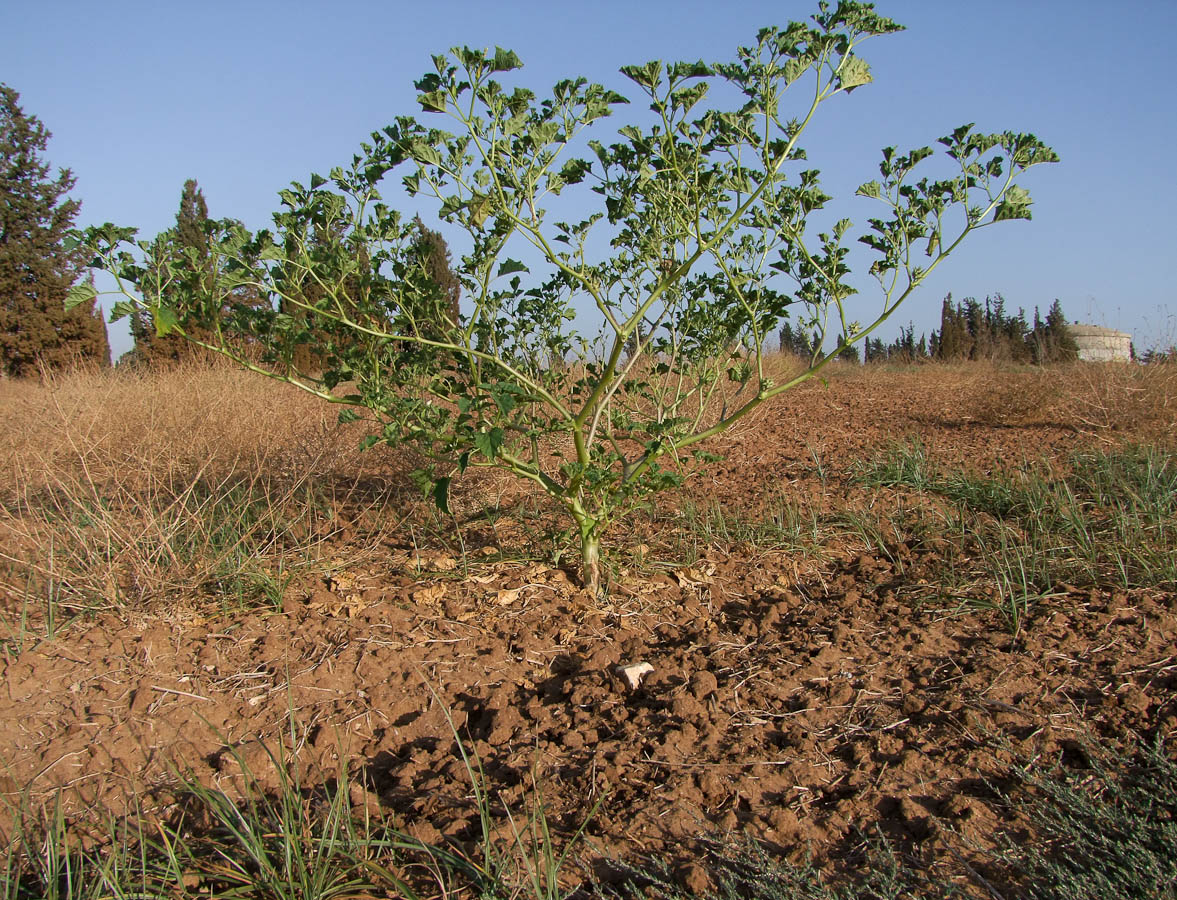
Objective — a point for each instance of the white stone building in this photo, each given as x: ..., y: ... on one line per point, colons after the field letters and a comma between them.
x: 1098, y: 344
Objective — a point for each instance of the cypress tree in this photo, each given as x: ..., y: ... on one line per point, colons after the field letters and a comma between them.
x: 153, y: 349
x: 433, y: 312
x: 435, y: 255
x: 1050, y: 341
x: 849, y: 354
x: 954, y: 343
x: 786, y: 337
x: 36, y: 268
x: 977, y: 324
x: 1063, y: 346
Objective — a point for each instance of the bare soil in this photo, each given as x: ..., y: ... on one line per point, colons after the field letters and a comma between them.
x: 801, y: 698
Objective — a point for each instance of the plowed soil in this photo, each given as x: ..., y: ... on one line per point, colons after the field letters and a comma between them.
x: 802, y: 697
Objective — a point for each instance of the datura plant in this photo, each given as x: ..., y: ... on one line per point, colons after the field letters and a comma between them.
x: 677, y: 243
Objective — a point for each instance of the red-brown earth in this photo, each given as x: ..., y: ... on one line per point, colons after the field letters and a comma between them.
x: 802, y: 697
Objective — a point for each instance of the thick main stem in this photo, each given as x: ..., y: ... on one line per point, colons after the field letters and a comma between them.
x: 590, y: 557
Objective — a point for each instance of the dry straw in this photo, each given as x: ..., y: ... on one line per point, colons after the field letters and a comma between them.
x: 128, y: 486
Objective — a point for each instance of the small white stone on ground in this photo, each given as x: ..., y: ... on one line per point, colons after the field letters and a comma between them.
x: 634, y: 673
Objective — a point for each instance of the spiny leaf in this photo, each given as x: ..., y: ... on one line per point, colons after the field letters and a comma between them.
x: 122, y: 309
x: 489, y: 442
x: 510, y: 266
x: 505, y: 60
x: 423, y: 152
x: 795, y: 68
x: 870, y: 189
x: 698, y: 69
x: 505, y: 401
x: 1016, y: 205
x: 479, y: 207
x: 854, y: 72
x: 432, y: 101
x: 647, y: 76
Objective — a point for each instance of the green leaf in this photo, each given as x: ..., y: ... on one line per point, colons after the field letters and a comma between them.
x: 505, y: 401
x: 697, y: 69
x: 432, y: 101
x: 370, y: 441
x: 165, y: 319
x: 79, y: 294
x: 464, y: 461
x: 317, y: 181
x: 647, y: 76
x: 489, y: 442
x: 871, y: 189
x: 122, y: 309
x: 795, y: 68
x: 479, y: 207
x: 441, y: 495
x: 505, y: 60
x: 471, y: 59
x: 510, y: 266
x: 348, y: 415
x: 574, y: 170
x: 1016, y: 205
x: 424, y: 152
x: 854, y: 72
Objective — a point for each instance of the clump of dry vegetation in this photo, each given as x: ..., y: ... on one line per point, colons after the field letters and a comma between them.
x: 1111, y: 401
x: 130, y: 486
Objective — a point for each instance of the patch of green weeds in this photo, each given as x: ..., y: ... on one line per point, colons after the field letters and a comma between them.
x: 744, y: 870
x: 1107, y: 831
x: 1015, y: 573
x: 45, y: 856
x: 781, y: 525
x: 287, y: 843
x: 903, y: 464
x: 1106, y: 518
x: 275, y: 835
x: 878, y: 535
x: 1100, y: 829
x: 39, y: 617
x: 524, y: 862
x: 216, y: 538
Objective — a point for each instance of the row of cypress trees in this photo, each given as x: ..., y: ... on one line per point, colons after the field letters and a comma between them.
x: 969, y: 330
x: 985, y: 331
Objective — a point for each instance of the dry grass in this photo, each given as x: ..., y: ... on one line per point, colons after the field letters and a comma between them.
x: 1111, y: 401
x: 151, y: 424
x: 127, y: 489
x: 1124, y: 398
x: 123, y: 488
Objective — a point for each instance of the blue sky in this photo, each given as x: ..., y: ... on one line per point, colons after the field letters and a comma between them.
x: 247, y: 96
